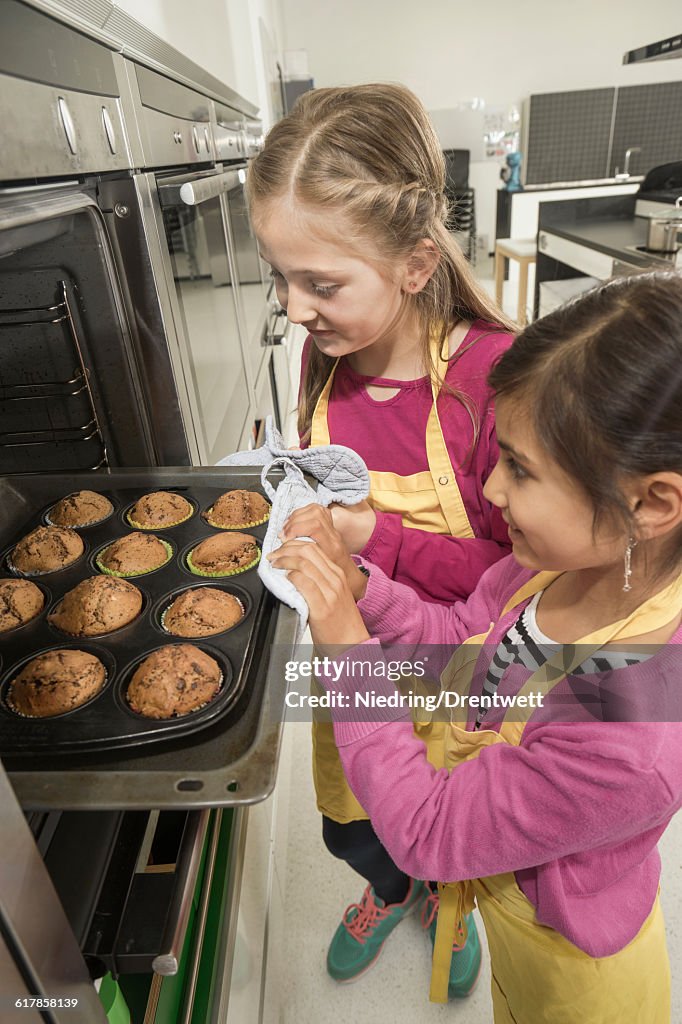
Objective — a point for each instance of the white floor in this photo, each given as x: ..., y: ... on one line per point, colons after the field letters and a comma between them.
x: 318, y: 888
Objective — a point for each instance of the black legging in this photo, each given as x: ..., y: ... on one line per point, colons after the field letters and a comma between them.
x: 359, y: 846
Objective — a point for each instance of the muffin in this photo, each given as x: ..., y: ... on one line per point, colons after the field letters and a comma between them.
x: 173, y: 681
x: 20, y: 601
x: 134, y: 555
x: 83, y: 508
x: 224, y: 555
x: 55, y: 682
x: 46, y: 549
x: 202, y: 612
x: 236, y: 510
x: 159, y: 510
x: 97, y: 605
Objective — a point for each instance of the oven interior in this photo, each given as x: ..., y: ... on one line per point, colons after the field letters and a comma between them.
x: 69, y: 391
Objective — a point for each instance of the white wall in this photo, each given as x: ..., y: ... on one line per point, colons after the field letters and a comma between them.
x: 501, y: 50
x: 450, y: 51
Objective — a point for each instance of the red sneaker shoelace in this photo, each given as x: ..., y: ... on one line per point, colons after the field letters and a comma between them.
x: 429, y: 911
x: 367, y: 916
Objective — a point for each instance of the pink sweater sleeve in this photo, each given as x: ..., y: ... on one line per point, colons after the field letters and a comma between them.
x: 436, y: 566
x: 568, y: 788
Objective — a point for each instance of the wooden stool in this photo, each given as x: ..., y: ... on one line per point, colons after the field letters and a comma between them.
x: 524, y: 251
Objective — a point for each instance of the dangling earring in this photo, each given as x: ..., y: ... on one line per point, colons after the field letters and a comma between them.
x: 627, y: 567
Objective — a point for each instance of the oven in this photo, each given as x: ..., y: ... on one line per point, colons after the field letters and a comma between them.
x: 135, y: 331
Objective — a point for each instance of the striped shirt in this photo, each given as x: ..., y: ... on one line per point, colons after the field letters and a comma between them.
x: 525, y: 644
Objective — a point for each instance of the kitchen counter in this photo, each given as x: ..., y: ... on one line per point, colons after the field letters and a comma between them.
x: 596, y: 237
x: 617, y: 237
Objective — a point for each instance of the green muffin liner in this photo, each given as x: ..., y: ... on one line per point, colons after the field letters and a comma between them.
x: 240, y: 526
x: 168, y: 526
x: 220, y: 575
x: 128, y: 575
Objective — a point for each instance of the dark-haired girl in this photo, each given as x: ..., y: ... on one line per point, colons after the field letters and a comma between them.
x: 548, y: 818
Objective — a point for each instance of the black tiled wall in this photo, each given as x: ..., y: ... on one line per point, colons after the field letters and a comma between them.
x: 568, y: 136
x: 569, y: 133
x: 649, y: 116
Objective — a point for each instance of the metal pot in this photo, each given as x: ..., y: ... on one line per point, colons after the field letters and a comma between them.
x: 665, y: 229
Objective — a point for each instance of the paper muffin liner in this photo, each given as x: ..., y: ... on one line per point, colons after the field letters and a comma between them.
x: 142, y: 572
x: 220, y: 575
x: 166, y: 526
x: 78, y: 526
x: 30, y: 573
x: 205, y: 635
x: 57, y: 714
x: 236, y: 526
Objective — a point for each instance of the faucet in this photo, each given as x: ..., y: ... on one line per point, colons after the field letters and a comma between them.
x: 626, y: 166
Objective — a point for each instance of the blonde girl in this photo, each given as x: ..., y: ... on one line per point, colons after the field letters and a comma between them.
x: 347, y: 199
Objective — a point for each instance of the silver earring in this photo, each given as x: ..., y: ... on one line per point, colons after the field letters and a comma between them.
x: 627, y: 566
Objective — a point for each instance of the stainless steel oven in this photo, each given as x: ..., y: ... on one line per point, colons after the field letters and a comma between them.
x: 133, y: 326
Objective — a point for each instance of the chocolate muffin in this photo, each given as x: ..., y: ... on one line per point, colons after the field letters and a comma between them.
x: 236, y: 510
x: 159, y: 510
x: 20, y: 601
x: 202, y: 612
x: 134, y: 555
x: 224, y: 555
x: 173, y: 681
x: 83, y: 508
x: 97, y: 605
x: 46, y: 549
x: 55, y: 682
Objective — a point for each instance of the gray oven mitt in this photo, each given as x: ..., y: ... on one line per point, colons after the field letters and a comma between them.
x: 341, y: 476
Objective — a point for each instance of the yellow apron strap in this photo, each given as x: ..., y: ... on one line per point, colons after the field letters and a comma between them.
x: 319, y: 427
x: 443, y: 477
x: 535, y: 584
x: 440, y: 465
x: 456, y: 900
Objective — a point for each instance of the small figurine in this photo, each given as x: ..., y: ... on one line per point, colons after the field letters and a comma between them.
x: 511, y: 174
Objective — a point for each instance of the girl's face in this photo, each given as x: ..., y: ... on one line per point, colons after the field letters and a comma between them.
x: 550, y: 518
x: 322, y: 282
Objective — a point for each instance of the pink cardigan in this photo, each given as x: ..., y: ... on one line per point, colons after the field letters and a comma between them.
x: 575, y: 811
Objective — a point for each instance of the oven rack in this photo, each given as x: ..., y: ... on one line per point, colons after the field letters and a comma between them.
x: 65, y: 417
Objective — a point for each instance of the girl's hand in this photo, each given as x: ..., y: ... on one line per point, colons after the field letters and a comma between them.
x: 317, y: 522
x: 355, y: 523
x: 334, y: 617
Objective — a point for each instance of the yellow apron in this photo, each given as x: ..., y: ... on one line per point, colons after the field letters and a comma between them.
x: 539, y: 976
x: 426, y: 501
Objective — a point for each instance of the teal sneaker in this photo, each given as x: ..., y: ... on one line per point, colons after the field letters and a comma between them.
x: 465, y: 965
x: 365, y: 927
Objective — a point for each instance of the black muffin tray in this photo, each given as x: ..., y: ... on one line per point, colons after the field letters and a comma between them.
x: 82, y: 736
x: 107, y: 721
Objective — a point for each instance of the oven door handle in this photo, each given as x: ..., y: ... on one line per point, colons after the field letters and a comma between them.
x: 192, y: 193
x: 187, y: 871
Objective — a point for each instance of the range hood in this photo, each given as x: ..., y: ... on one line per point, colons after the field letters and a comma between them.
x: 665, y: 49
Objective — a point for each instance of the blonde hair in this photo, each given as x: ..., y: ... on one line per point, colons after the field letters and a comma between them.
x: 370, y: 152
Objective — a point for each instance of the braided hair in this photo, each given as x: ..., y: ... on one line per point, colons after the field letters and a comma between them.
x: 371, y: 152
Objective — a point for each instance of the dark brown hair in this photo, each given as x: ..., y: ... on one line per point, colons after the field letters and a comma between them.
x: 370, y: 152
x: 601, y: 379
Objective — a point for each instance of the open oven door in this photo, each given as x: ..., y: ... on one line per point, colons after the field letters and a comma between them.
x: 70, y: 390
